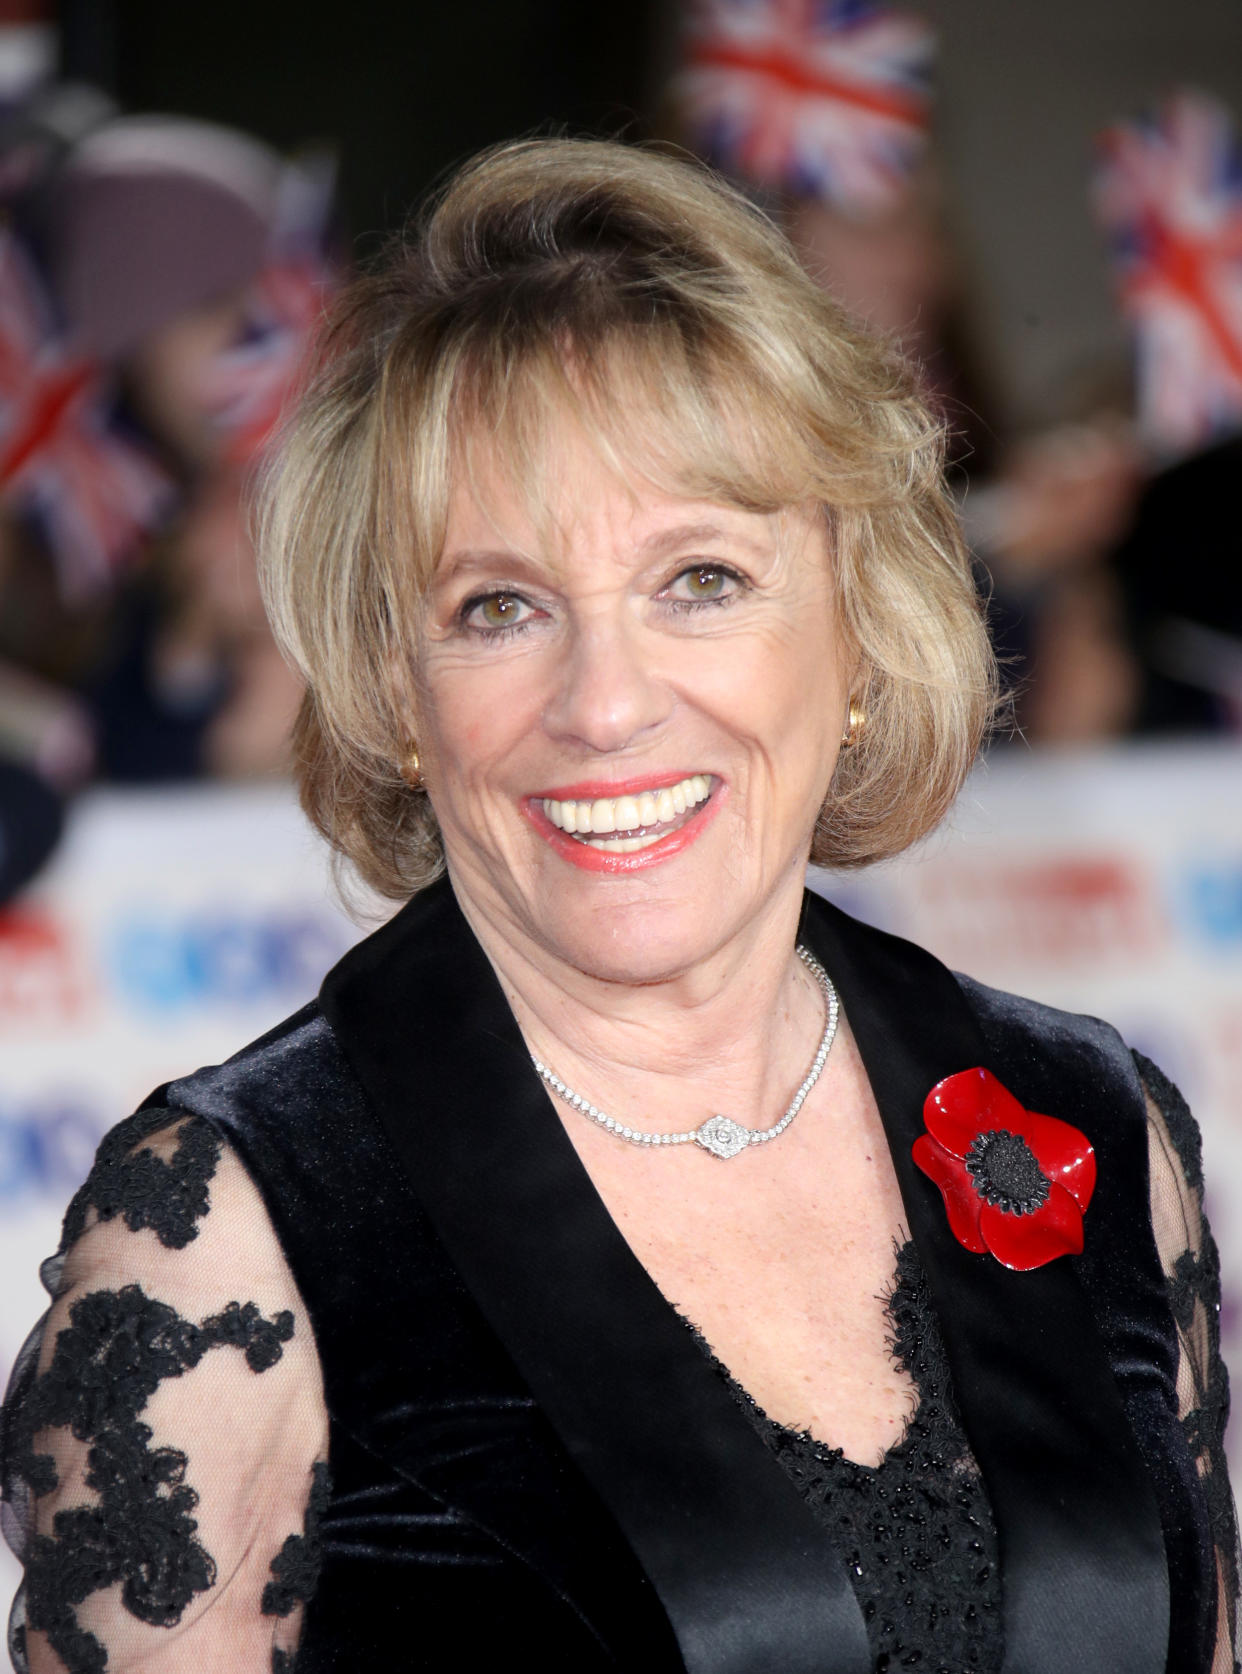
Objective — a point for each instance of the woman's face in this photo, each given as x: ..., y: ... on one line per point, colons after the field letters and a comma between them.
x: 629, y: 716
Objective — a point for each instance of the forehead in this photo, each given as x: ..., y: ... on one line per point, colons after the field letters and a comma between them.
x: 606, y: 457
x: 579, y: 506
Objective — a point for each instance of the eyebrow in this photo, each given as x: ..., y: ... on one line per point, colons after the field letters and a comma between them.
x: 504, y: 560
x: 687, y: 534
x: 496, y: 562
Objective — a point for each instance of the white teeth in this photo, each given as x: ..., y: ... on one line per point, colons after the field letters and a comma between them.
x: 629, y: 814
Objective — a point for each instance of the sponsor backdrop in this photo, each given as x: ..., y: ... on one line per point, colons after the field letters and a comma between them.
x: 174, y: 927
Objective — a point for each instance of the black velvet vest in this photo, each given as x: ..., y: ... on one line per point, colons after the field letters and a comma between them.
x: 529, y: 1454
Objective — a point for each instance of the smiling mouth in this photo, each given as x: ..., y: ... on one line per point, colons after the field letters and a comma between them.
x: 627, y: 824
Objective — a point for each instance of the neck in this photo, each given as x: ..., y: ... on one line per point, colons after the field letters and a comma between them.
x: 734, y: 1031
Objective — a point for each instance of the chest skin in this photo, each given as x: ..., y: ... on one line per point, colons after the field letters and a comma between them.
x: 782, y: 1257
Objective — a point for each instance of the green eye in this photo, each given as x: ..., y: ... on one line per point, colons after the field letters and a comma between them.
x: 500, y: 610
x: 704, y: 583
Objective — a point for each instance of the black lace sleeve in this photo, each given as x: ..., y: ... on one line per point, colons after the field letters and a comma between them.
x: 163, y: 1435
x: 1192, y: 1267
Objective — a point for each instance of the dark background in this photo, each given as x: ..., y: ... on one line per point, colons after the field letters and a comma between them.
x: 409, y: 87
x: 402, y: 90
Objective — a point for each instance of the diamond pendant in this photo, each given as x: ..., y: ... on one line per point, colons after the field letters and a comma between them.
x: 722, y: 1136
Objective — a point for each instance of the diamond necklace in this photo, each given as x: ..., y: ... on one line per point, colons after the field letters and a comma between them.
x: 720, y: 1135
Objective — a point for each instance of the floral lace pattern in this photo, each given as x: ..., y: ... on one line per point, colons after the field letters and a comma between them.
x: 1192, y: 1271
x: 131, y: 1180
x: 119, y: 1347
x: 296, y: 1566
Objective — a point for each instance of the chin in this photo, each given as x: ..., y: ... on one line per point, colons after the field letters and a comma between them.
x: 638, y: 941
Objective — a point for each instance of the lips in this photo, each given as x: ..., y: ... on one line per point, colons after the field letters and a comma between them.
x: 638, y: 824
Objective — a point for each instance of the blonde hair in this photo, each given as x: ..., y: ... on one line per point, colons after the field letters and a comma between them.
x: 556, y: 278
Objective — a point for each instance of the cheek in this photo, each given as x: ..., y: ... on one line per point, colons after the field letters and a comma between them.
x: 791, y: 684
x: 472, y: 715
x: 475, y: 736
x: 802, y: 705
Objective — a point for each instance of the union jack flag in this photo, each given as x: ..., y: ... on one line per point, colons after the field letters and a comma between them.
x: 1169, y: 196
x: 825, y: 98
x: 92, y: 492
x: 252, y: 383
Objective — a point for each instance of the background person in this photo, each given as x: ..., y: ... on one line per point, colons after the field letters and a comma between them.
x: 159, y: 229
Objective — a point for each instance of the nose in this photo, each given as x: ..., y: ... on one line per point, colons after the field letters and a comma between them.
x: 608, y: 693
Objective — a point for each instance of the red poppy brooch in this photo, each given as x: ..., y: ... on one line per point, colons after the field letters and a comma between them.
x: 1014, y: 1183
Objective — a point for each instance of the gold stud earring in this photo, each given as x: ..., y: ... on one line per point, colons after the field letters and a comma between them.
x: 412, y: 768
x: 856, y: 722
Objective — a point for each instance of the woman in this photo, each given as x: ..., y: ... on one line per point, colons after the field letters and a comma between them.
x: 623, y: 580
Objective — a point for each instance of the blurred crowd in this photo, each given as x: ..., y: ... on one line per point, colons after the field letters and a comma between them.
x: 1104, y: 549
x: 160, y: 282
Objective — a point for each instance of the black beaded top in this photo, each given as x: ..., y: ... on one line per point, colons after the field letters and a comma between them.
x: 915, y: 1532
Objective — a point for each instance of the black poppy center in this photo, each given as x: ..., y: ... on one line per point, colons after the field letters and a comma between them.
x: 1005, y: 1172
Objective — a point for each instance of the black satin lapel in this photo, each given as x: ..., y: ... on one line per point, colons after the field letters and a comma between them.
x: 747, y: 1576
x: 1084, y: 1572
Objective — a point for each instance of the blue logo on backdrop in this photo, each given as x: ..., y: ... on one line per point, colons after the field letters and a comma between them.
x: 46, y: 1147
x: 1212, y: 892
x: 227, y: 959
